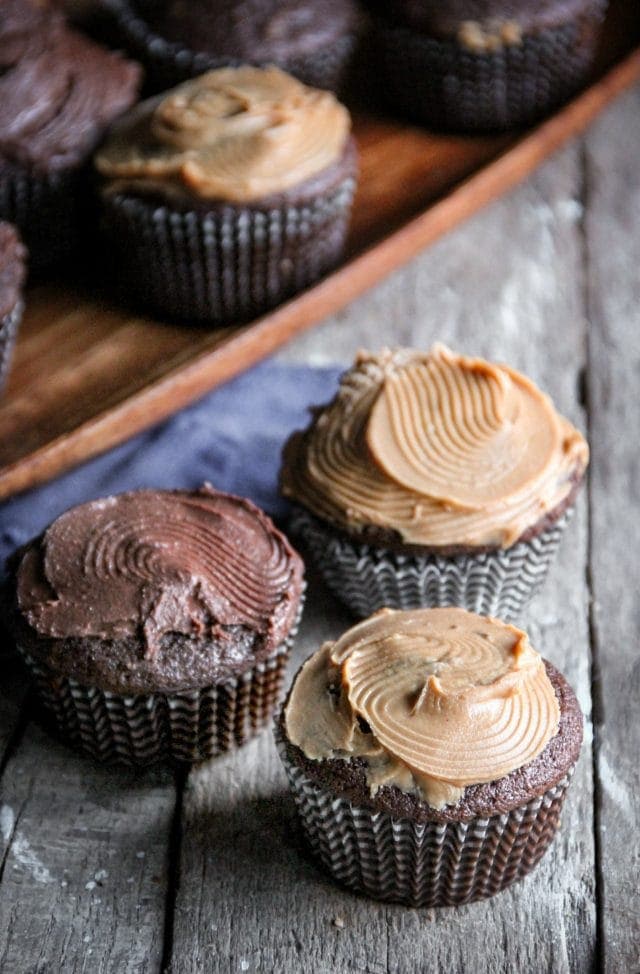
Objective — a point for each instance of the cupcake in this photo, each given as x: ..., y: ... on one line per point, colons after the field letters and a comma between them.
x: 482, y: 65
x: 314, y: 40
x: 12, y: 274
x: 433, y: 479
x: 226, y: 195
x: 157, y: 624
x: 58, y: 93
x: 429, y: 753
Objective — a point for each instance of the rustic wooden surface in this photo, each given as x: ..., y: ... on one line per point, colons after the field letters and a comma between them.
x: 110, y: 373
x: 105, y: 871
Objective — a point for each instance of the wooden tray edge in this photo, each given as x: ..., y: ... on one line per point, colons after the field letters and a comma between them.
x: 250, y: 344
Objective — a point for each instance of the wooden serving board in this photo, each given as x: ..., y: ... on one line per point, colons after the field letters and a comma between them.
x: 88, y: 374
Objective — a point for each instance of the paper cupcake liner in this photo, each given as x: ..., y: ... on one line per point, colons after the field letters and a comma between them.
x: 441, y: 83
x: 428, y: 864
x: 365, y: 578
x: 228, y: 264
x: 46, y: 210
x: 186, y: 727
x: 8, y: 333
x: 168, y: 63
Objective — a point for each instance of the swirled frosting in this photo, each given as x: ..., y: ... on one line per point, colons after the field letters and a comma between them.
x: 151, y: 563
x: 439, y: 449
x: 58, y: 90
x: 433, y: 700
x: 233, y: 134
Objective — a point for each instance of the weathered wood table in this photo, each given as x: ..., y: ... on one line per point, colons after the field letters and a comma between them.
x: 108, y: 870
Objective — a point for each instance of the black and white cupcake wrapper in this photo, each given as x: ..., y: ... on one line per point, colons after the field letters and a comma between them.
x: 168, y: 63
x: 439, y: 82
x: 366, y: 578
x: 8, y: 333
x: 428, y: 864
x: 228, y: 264
x: 186, y: 727
x: 47, y: 209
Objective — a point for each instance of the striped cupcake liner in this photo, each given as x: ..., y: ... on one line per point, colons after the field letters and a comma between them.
x: 169, y: 63
x: 8, y: 333
x: 441, y: 83
x: 228, y: 264
x: 186, y: 727
x: 365, y: 578
x: 429, y: 864
x: 47, y: 211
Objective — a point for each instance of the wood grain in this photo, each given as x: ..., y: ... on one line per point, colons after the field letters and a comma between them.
x: 248, y: 892
x: 88, y: 374
x: 613, y: 254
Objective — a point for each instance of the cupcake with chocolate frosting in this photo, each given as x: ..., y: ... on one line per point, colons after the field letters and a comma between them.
x: 429, y: 753
x: 433, y: 479
x: 314, y: 40
x: 158, y: 623
x: 482, y: 65
x: 58, y: 93
x: 12, y: 275
x: 228, y: 194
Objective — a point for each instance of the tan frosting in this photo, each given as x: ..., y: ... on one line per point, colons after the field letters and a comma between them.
x: 442, y: 449
x: 449, y: 699
x: 231, y: 134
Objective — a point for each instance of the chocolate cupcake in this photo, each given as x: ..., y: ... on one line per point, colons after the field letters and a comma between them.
x: 12, y: 274
x: 433, y: 479
x: 228, y: 194
x: 157, y: 624
x: 429, y: 753
x: 483, y: 65
x: 314, y: 40
x: 58, y: 93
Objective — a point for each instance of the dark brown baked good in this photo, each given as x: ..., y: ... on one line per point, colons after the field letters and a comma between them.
x: 177, y: 40
x: 12, y: 274
x: 214, y: 220
x: 429, y: 753
x: 159, y: 597
x: 485, y: 65
x: 58, y: 93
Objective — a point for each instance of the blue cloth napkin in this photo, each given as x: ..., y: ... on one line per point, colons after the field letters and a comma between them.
x: 232, y: 438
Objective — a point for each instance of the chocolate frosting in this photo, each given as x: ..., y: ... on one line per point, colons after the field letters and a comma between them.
x: 158, y: 589
x: 488, y: 16
x: 267, y: 30
x: 441, y: 450
x: 58, y: 90
x: 233, y: 134
x: 434, y: 700
x: 12, y: 268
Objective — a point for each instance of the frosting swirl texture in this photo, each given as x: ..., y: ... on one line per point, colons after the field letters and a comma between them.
x: 152, y: 563
x: 439, y: 449
x: 434, y: 700
x: 233, y: 134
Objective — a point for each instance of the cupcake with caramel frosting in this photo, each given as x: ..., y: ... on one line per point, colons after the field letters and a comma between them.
x: 225, y: 195
x: 442, y: 733
x: 158, y: 623
x: 434, y: 479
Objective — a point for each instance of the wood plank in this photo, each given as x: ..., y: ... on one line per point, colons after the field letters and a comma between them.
x: 613, y: 251
x: 249, y: 897
x: 84, y: 862
x: 143, y: 371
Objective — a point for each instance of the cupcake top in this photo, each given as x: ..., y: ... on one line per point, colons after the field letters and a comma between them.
x: 12, y: 268
x: 435, y: 450
x: 268, y: 30
x: 58, y: 90
x: 429, y: 702
x: 233, y: 134
x: 157, y: 590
